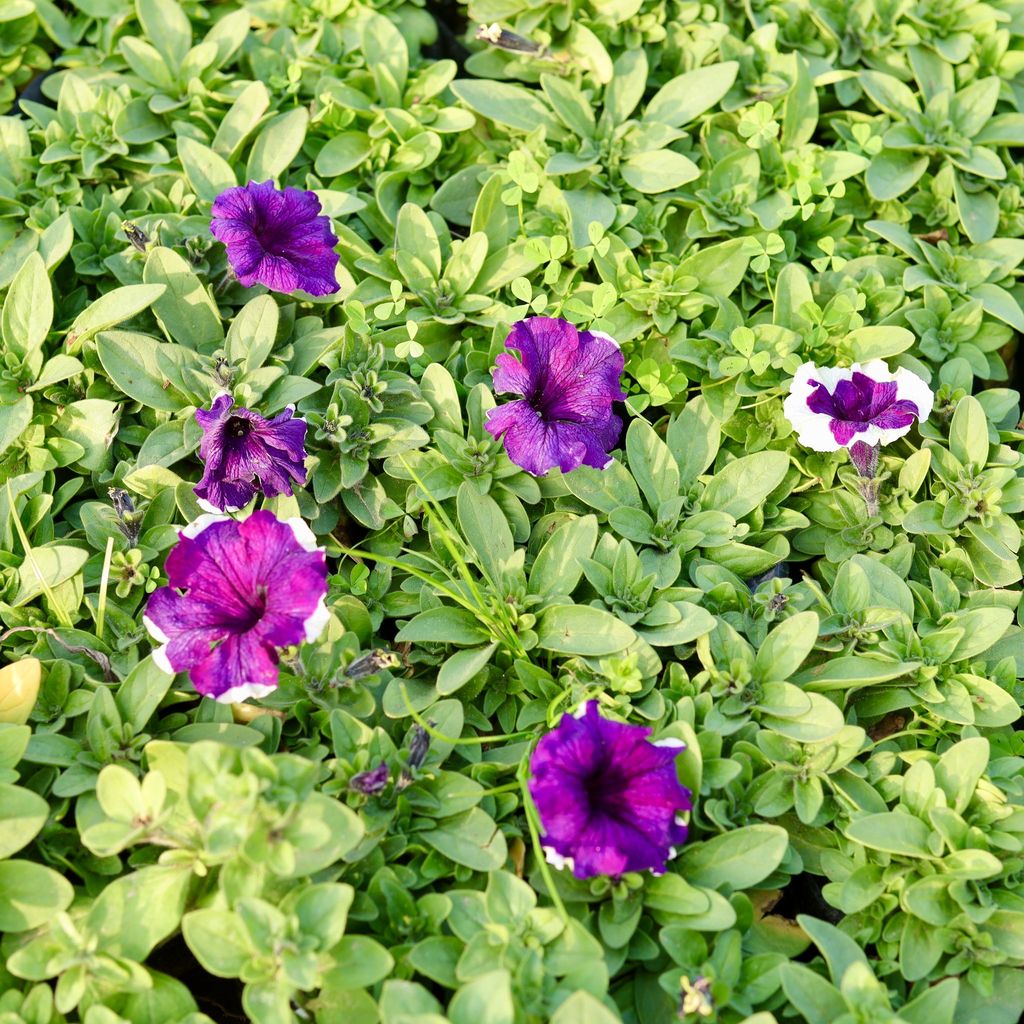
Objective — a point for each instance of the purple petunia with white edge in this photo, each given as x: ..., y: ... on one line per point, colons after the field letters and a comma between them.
x: 276, y: 237
x: 237, y: 593
x: 567, y: 380
x: 243, y: 452
x: 834, y: 407
x: 608, y: 799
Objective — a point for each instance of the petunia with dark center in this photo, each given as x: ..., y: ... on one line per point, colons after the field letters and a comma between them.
x: 607, y: 797
x: 859, y: 403
x: 244, y: 453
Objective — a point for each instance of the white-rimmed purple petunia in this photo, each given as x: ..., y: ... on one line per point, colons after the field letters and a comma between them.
x: 609, y: 799
x: 237, y: 593
x: 243, y: 453
x: 835, y: 407
x: 568, y: 380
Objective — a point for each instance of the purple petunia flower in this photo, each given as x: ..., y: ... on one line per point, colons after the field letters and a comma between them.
x: 239, y: 447
x: 276, y: 237
x: 568, y: 379
x: 237, y: 592
x: 608, y: 798
x: 833, y: 407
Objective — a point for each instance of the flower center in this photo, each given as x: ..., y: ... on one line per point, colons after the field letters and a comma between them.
x: 238, y: 428
x: 605, y: 789
x: 270, y: 236
x: 256, y: 610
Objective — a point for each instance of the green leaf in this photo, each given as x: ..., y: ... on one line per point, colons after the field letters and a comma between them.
x: 444, y: 625
x: 241, y: 119
x: 252, y: 333
x: 92, y: 423
x: 786, y: 647
x: 23, y: 814
x: 185, y: 310
x: 417, y: 249
x: 867, y: 343
x: 277, y: 145
x: 892, y: 832
x: 838, y: 949
x: 743, y: 484
x: 165, y: 23
x: 14, y: 419
x: 507, y: 104
x: 461, y: 667
x: 471, y: 838
x: 570, y: 105
x: 982, y: 628
x: 651, y: 464
x: 115, y: 912
x: 342, y: 153
x: 817, y: 1000
x: 486, y: 529
x: 113, y: 308
x: 685, y: 97
x: 487, y: 999
x: 581, y: 629
x: 218, y: 941
x: 558, y: 567
x: 47, y: 567
x: 740, y: 858
x: 852, y: 672
x: 693, y: 437
x: 30, y: 895
x: 583, y: 1008
x: 207, y: 172
x: 131, y: 362
x: 358, y: 961
x: 658, y: 171
x: 968, y: 433
x: 892, y: 172
x: 719, y: 268
x: 960, y: 768
x: 28, y: 308
x: 141, y: 692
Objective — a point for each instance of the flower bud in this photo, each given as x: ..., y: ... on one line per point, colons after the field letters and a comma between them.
x: 19, y: 688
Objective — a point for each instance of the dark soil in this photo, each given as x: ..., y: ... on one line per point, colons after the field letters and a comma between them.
x: 803, y: 896
x: 218, y: 998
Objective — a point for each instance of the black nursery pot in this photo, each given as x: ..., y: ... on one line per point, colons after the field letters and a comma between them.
x: 34, y: 92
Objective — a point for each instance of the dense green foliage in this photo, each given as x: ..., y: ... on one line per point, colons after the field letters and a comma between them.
x: 729, y: 191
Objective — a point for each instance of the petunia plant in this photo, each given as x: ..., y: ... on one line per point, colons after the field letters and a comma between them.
x: 510, y: 512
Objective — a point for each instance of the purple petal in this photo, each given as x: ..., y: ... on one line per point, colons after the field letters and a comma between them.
x: 240, y: 660
x: 844, y: 431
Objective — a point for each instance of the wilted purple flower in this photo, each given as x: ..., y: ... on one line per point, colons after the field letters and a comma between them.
x: 830, y: 407
x: 568, y: 379
x: 419, y: 744
x: 237, y: 592
x: 370, y: 663
x: 276, y: 237
x: 372, y: 782
x: 242, y: 452
x: 608, y: 798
